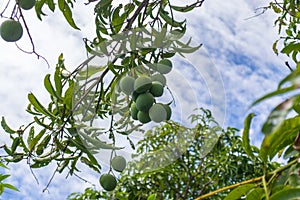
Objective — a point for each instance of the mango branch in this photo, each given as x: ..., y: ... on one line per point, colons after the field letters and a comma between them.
x: 253, y: 180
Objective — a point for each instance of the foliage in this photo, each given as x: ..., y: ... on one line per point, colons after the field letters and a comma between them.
x: 4, y: 185
x: 198, y: 167
x: 134, y: 37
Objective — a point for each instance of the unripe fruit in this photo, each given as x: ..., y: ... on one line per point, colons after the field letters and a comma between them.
x: 144, y: 101
x: 164, y: 66
x: 143, y: 117
x: 11, y: 30
x: 142, y: 84
x: 118, y: 163
x: 157, y: 89
x: 160, y: 78
x: 158, y: 113
x: 133, y: 111
x: 169, y: 111
x: 108, y: 182
x: 126, y: 84
x: 134, y: 96
x: 26, y: 4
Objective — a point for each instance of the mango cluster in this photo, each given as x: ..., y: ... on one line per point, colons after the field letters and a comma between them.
x: 143, y: 91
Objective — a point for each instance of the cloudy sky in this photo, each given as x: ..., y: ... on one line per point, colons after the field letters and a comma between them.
x: 235, y: 66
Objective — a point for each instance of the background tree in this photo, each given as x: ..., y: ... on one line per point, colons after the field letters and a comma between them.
x: 204, y: 165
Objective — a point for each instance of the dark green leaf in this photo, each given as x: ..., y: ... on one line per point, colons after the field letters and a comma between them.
x: 64, y: 7
x: 38, y: 8
x: 51, y: 5
x: 6, y: 127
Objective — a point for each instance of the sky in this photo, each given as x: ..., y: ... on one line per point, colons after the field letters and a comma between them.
x: 235, y: 66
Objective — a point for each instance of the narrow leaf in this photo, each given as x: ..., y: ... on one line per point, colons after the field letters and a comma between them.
x: 9, y: 186
x: 49, y: 87
x: 245, y: 137
x: 275, y: 93
x: 37, y: 105
x: 3, y: 176
x: 6, y: 127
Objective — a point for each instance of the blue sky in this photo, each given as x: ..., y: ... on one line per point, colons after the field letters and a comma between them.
x: 238, y: 52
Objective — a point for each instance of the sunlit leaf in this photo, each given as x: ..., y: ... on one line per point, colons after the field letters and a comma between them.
x: 245, y: 137
x: 239, y: 191
x: 282, y: 137
x: 277, y: 116
x: 37, y: 105
x: 6, y: 127
x: 9, y: 186
x: 292, y: 193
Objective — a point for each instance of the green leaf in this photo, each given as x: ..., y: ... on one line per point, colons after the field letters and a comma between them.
x: 186, y: 49
x: 9, y: 186
x: 169, y: 20
x: 280, y: 138
x: 3, y: 176
x: 30, y: 136
x: 245, y: 137
x: 88, y: 163
x: 5, y: 127
x: 183, y: 9
x: 58, y: 82
x: 291, y: 47
x: 15, y: 144
x: 98, y: 144
x: 277, y: 116
x: 36, y: 139
x: 286, y: 194
x: 65, y: 9
x: 274, y: 47
x: 68, y: 98
x: 152, y: 197
x: 49, y: 87
x: 38, y: 106
x: 292, y: 78
x: 62, y: 166
x: 275, y: 93
x: 51, y: 5
x: 1, y: 189
x: 38, y: 8
x: 255, y: 194
x: 239, y: 191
